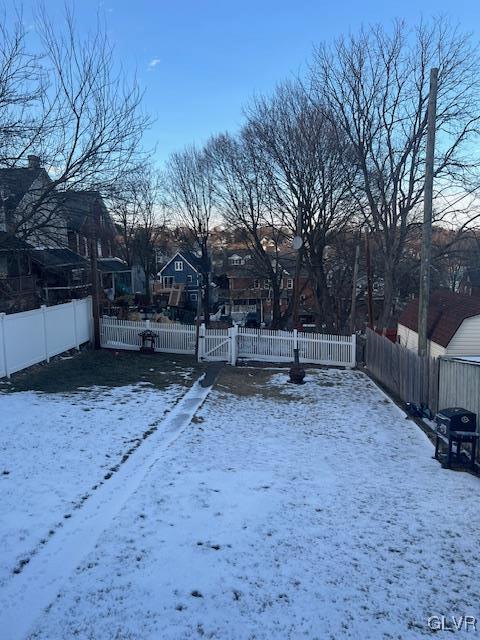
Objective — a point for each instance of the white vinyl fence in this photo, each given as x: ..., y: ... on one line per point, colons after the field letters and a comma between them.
x: 33, y: 336
x: 230, y: 345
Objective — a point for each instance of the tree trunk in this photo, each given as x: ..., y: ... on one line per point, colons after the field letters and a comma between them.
x: 206, y: 299
x: 147, y: 285
x: 276, y: 315
x: 388, y: 296
x: 323, y: 301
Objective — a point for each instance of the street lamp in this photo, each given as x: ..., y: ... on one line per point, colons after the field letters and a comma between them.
x: 297, y: 372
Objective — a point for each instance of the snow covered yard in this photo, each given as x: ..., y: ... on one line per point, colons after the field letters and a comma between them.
x: 280, y: 512
x: 57, y: 448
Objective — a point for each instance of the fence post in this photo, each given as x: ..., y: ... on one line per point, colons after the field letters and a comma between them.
x: 147, y: 323
x: 4, y: 343
x: 233, y: 332
x: 45, y: 341
x: 201, y: 341
x: 353, y: 351
x: 75, y: 329
x: 295, y: 339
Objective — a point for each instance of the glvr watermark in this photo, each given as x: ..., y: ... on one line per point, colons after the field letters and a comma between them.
x: 452, y: 623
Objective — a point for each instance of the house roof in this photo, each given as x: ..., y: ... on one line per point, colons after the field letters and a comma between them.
x: 78, y: 207
x: 57, y: 258
x: 14, y: 184
x: 194, y: 261
x: 446, y: 312
x: 112, y: 265
x: 9, y: 243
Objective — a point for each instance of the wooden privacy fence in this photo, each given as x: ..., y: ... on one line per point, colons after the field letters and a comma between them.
x: 31, y: 337
x: 229, y: 345
x: 407, y: 375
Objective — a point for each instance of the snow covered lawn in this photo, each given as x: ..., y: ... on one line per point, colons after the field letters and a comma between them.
x: 56, y: 449
x: 277, y: 512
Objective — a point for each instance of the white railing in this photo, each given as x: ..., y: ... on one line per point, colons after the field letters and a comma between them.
x: 229, y: 345
x: 30, y: 337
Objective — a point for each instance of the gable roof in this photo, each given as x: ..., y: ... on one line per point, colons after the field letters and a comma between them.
x: 16, y: 182
x: 78, y: 207
x: 446, y: 312
x: 194, y: 261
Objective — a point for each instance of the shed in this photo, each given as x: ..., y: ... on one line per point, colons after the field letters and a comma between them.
x: 453, y: 325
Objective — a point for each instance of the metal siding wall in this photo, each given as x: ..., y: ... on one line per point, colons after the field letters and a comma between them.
x: 460, y: 385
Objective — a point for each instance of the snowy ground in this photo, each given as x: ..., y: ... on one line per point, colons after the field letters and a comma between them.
x: 56, y: 449
x: 277, y: 512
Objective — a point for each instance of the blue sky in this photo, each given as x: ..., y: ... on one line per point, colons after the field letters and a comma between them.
x: 200, y: 61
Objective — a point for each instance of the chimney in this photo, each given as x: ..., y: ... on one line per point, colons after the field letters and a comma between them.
x: 33, y: 162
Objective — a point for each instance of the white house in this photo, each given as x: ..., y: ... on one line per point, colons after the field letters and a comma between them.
x: 453, y: 326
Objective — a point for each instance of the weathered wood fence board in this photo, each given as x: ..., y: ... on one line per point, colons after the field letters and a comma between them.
x: 409, y: 376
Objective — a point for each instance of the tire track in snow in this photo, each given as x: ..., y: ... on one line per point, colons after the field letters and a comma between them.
x: 29, y: 593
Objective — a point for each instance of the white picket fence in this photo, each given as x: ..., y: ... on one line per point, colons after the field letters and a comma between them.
x: 124, y: 334
x: 31, y: 337
x: 230, y: 345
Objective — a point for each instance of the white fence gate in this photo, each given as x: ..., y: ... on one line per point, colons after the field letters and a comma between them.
x: 30, y: 337
x: 230, y: 345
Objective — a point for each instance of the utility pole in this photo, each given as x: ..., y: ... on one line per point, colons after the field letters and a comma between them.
x: 369, y: 281
x: 353, y: 309
x: 424, y: 293
x: 94, y: 222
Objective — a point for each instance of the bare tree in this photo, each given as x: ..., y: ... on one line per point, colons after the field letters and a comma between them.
x: 139, y: 213
x: 244, y: 200
x: 190, y: 184
x: 376, y: 84
x: 94, y: 124
x: 309, y: 169
x: 23, y: 84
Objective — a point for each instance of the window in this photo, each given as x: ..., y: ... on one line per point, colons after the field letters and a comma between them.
x: 256, y: 284
x: 189, y: 278
x: 289, y: 283
x: 235, y: 260
x: 193, y: 297
x: 266, y: 284
x: 178, y: 265
x: 167, y: 282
